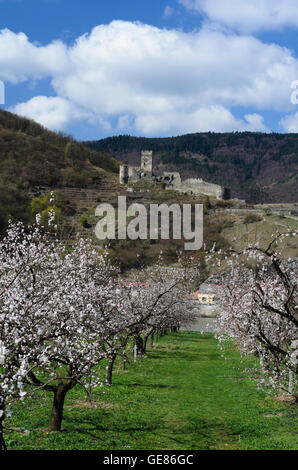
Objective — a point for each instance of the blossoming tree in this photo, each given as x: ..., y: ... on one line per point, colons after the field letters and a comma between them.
x: 259, y: 309
x: 62, y: 312
x: 31, y: 298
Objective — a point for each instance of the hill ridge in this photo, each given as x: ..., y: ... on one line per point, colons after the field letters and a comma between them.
x: 261, y: 168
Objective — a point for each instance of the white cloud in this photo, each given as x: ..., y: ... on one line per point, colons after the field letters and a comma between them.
x: 52, y: 112
x: 290, y: 123
x: 216, y: 118
x: 248, y: 16
x: 168, y: 11
x: 129, y: 68
x: 153, y: 80
x: 256, y: 123
x: 21, y: 60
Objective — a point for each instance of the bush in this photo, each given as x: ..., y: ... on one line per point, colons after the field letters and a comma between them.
x: 224, y: 203
x: 268, y: 211
x: 45, y: 215
x: 207, y: 203
x: 14, y: 204
x: 221, y: 244
x: 251, y: 218
x: 84, y: 223
x: 40, y: 204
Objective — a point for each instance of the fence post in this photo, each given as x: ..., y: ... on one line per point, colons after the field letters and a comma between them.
x: 261, y: 359
x: 135, y: 351
x: 291, y: 380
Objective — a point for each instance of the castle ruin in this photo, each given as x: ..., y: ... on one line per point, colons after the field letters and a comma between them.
x: 172, y: 180
x: 132, y: 174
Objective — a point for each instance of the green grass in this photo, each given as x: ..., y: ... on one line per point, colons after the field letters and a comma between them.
x: 240, y: 234
x: 184, y: 395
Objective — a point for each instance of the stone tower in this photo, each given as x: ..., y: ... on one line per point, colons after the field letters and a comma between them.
x: 123, y: 174
x: 146, y: 163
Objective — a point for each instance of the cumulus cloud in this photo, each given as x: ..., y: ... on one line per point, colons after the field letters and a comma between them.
x: 52, y: 112
x: 21, y: 60
x: 132, y: 68
x: 215, y: 117
x: 290, y: 123
x: 248, y: 16
x: 153, y: 80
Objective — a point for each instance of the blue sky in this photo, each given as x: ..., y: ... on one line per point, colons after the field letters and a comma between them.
x: 165, y: 67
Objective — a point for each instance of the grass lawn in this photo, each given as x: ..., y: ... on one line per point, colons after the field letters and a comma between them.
x: 240, y: 234
x: 184, y: 395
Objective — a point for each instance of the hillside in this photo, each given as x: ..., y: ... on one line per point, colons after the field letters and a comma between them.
x: 31, y: 158
x: 35, y: 161
x: 254, y: 166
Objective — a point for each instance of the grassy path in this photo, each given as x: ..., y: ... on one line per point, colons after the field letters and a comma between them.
x: 184, y: 395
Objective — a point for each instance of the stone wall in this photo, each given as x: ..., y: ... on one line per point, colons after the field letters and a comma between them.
x: 198, y: 186
x: 192, y: 185
x: 133, y: 173
x: 172, y: 180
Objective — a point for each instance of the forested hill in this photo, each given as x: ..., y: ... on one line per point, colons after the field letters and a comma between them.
x: 31, y: 156
x: 256, y: 167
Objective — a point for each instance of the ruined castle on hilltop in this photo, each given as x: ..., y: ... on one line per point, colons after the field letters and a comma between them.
x: 172, y: 180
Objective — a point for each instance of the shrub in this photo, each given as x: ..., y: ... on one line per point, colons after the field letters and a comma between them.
x: 84, y: 223
x: 251, y: 218
x: 268, y: 211
x: 45, y: 215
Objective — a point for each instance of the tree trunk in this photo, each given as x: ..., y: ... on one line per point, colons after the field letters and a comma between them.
x: 58, y: 403
x: 110, y: 370
x: 140, y: 345
x: 2, y: 441
x: 145, y: 344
